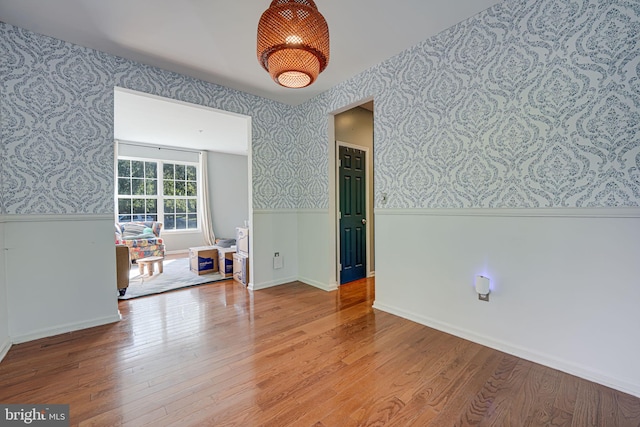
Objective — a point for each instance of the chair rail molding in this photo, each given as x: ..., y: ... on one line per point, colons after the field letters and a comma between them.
x: 618, y: 212
x: 56, y: 217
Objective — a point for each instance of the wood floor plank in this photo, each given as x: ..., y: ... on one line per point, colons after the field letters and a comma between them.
x: 628, y: 410
x: 586, y: 410
x: 542, y: 412
x: 567, y: 394
x: 292, y: 355
x: 493, y: 400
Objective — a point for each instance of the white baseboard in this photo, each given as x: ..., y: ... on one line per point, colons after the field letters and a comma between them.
x: 319, y: 285
x: 4, y: 348
x: 62, y: 329
x: 617, y: 212
x: 518, y: 351
x: 257, y: 286
x: 310, y: 282
x: 178, y: 252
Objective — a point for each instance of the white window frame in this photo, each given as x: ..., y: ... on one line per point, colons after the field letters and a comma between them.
x: 197, y: 198
x: 160, y: 198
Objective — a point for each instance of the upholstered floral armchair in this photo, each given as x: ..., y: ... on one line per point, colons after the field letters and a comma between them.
x: 142, y: 238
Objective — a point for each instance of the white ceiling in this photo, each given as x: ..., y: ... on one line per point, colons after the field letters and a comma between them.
x: 215, y: 40
x: 154, y: 120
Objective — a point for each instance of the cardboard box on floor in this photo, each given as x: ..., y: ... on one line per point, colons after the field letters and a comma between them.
x: 225, y: 261
x: 203, y: 260
x: 242, y: 240
x: 241, y: 268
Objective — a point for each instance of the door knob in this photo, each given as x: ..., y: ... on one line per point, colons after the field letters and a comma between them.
x: 364, y: 221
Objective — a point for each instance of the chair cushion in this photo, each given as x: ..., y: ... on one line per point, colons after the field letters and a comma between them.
x: 141, y: 243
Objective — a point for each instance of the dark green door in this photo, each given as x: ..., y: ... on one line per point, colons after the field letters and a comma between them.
x: 353, y: 249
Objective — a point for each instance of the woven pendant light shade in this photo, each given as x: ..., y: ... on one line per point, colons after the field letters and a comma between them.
x: 293, y: 42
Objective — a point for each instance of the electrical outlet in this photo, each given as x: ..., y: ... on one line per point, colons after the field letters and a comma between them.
x: 483, y: 297
x: 278, y: 261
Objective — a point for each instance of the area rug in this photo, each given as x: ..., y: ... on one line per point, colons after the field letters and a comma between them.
x: 176, y: 275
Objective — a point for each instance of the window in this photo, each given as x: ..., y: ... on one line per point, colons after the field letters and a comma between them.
x: 172, y: 200
x: 180, y: 201
x: 137, y: 191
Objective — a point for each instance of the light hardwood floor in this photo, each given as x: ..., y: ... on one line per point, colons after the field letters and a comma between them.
x: 218, y: 355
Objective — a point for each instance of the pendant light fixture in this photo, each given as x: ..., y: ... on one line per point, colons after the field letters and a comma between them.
x: 293, y: 42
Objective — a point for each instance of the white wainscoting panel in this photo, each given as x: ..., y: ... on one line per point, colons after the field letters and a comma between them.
x: 5, y: 342
x: 60, y: 274
x: 315, y: 266
x: 565, y: 285
x: 5, y: 346
x: 274, y: 231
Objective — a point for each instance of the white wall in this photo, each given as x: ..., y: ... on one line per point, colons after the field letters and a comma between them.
x: 228, y: 192
x: 180, y: 242
x: 565, y: 288
x: 303, y: 238
x: 273, y: 231
x: 314, y: 259
x: 60, y: 274
x: 5, y: 342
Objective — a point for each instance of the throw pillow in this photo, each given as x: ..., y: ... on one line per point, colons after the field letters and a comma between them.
x: 132, y: 229
x: 156, y: 227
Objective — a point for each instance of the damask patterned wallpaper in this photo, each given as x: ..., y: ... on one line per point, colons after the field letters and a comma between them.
x: 56, y: 136
x: 528, y: 104
x: 532, y: 103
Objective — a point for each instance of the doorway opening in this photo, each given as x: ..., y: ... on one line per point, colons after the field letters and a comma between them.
x: 355, y: 240
x: 182, y: 170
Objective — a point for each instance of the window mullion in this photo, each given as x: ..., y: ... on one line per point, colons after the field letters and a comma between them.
x: 160, y: 191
